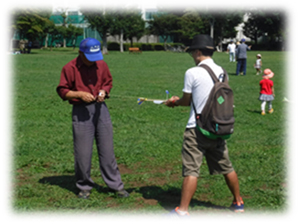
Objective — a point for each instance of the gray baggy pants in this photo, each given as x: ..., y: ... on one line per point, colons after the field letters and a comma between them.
x: 91, y: 121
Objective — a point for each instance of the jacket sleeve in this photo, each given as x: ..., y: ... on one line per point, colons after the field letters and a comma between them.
x: 107, y: 82
x: 65, y: 84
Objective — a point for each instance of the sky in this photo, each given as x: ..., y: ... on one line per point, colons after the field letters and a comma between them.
x: 7, y: 98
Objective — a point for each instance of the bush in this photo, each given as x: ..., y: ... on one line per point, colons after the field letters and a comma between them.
x: 113, y: 46
x: 147, y: 47
x: 158, y: 47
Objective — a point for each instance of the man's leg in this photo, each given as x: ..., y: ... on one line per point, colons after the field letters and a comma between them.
x: 189, y: 187
x: 104, y: 140
x: 192, y: 157
x: 83, y: 137
x: 244, y: 66
x: 238, y: 67
x: 233, y: 184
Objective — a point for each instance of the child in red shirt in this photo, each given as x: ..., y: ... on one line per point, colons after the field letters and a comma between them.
x: 267, y: 91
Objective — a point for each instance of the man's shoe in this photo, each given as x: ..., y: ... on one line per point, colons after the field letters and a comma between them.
x: 122, y: 194
x: 237, y: 207
x: 177, y: 213
x: 84, y: 194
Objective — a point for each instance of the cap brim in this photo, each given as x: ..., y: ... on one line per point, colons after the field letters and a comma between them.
x: 199, y: 47
x: 94, y: 57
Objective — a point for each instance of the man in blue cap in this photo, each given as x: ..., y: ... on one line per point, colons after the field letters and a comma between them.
x: 241, y: 57
x: 86, y: 82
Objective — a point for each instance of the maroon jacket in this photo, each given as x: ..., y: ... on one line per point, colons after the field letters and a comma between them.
x: 76, y: 76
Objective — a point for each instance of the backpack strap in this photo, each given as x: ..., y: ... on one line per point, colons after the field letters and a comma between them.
x: 213, y: 76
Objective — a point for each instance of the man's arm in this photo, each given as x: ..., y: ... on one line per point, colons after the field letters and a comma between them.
x: 185, y: 100
x: 85, y: 96
x: 107, y: 81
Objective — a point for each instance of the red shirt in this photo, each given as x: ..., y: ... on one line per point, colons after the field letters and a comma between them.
x: 266, y: 86
x: 76, y: 76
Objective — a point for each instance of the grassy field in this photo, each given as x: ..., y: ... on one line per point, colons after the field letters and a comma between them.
x: 147, y: 137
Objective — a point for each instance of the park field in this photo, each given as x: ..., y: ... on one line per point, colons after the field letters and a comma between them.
x: 147, y: 137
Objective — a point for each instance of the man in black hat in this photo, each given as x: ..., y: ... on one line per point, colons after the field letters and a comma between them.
x: 197, y: 86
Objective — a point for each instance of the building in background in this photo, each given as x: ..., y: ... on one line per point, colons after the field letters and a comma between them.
x: 76, y: 18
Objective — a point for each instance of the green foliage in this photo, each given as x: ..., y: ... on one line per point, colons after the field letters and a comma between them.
x: 114, y: 46
x: 30, y: 22
x: 135, y: 26
x: 73, y: 32
x: 147, y: 137
x: 163, y: 25
x: 191, y: 24
x: 224, y: 23
x: 262, y: 22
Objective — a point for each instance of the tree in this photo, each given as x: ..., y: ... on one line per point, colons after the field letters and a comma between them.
x: 55, y: 33
x: 127, y: 23
x: 191, y: 24
x: 45, y: 35
x: 119, y: 26
x: 164, y: 25
x: 30, y: 23
x: 223, y: 23
x: 101, y: 21
x: 64, y: 21
x: 261, y: 23
x: 134, y: 27
x: 73, y: 32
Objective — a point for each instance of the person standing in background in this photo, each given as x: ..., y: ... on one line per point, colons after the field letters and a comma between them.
x: 232, y: 50
x: 241, y: 55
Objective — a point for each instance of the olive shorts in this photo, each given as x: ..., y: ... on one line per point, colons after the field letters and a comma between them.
x: 196, y: 146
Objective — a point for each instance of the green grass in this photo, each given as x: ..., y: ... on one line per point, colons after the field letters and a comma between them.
x: 147, y: 137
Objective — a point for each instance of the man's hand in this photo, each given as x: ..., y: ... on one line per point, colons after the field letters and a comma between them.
x: 86, y: 97
x: 171, y: 102
x: 101, y: 96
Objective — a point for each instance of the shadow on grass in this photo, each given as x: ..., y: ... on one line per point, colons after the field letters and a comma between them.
x: 66, y: 181
x: 168, y: 199
x: 254, y: 111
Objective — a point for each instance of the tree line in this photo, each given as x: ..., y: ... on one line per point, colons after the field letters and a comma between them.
x: 181, y: 25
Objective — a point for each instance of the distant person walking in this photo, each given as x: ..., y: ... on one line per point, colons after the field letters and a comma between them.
x: 241, y: 56
x: 258, y: 64
x: 232, y: 50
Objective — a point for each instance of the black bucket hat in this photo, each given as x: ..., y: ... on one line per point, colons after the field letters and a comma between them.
x: 201, y: 41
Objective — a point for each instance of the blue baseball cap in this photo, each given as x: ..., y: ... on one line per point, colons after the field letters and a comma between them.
x: 91, y: 49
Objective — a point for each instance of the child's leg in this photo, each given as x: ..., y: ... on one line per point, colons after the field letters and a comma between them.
x: 263, y: 105
x: 270, y: 109
x: 269, y: 105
